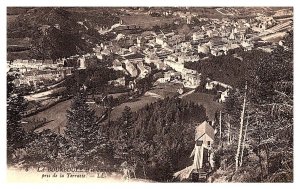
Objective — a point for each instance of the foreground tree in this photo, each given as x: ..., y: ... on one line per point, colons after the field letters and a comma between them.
x: 265, y: 142
x: 237, y: 158
x: 46, y: 149
x: 124, y: 145
x: 88, y: 146
x: 16, y: 105
x: 158, y: 138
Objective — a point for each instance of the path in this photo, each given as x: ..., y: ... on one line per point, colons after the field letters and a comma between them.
x: 187, y: 93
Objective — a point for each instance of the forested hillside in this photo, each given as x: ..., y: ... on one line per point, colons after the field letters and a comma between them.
x: 158, y: 138
x: 56, y: 32
x: 257, y: 133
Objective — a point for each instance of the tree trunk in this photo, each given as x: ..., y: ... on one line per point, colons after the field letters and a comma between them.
x: 259, y: 152
x: 229, y: 134
x: 261, y: 164
x: 267, y: 159
x: 144, y: 172
x: 244, y: 140
x: 237, y: 157
x: 220, y: 123
x: 109, y: 114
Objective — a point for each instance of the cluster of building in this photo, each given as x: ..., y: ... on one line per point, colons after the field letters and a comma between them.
x: 220, y: 36
x: 38, y: 73
x: 173, y: 50
x: 222, y: 89
x: 139, y: 53
x: 155, y: 51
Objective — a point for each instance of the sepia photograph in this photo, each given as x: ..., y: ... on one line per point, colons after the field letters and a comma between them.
x: 150, y: 94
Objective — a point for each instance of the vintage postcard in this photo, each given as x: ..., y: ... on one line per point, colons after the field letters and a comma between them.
x: 150, y: 94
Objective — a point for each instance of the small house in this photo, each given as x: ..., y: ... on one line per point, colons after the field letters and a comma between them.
x: 204, y: 139
x: 203, y: 156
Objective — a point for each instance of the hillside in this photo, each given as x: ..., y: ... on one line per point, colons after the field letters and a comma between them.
x: 54, y: 32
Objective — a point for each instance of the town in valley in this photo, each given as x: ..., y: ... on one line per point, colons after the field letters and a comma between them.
x: 152, y: 94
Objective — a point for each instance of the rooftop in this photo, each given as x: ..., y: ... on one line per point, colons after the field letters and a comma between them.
x: 204, y: 128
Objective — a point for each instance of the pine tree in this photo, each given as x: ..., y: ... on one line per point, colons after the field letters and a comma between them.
x: 47, y: 149
x: 89, y: 146
x: 124, y: 145
x: 127, y: 120
x: 16, y: 105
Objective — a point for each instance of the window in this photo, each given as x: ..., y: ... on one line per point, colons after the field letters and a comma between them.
x: 199, y: 142
x: 208, y: 143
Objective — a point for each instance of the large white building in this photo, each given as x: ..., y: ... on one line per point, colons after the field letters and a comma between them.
x: 130, y: 68
x: 144, y: 70
x: 81, y: 62
x: 32, y: 64
x: 174, y: 65
x: 191, y: 78
x: 160, y: 39
x: 159, y: 64
x: 177, y: 60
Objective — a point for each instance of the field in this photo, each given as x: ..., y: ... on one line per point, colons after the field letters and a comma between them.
x: 207, y: 101
x: 24, y: 42
x: 116, y: 95
x: 166, y: 89
x: 99, y: 110
x: 160, y: 91
x: 18, y: 42
x: 18, y: 55
x: 207, y: 12
x: 14, y: 43
x: 56, y: 115
x: 145, y: 21
x: 134, y: 105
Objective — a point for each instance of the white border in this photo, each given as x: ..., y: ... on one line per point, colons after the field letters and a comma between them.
x: 118, y: 3
x: 200, y: 3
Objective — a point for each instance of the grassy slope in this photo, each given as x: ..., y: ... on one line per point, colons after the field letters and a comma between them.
x: 23, y: 42
x: 166, y: 89
x: 207, y: 101
x: 18, y: 55
x: 56, y: 114
x: 134, y: 105
x: 145, y: 21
